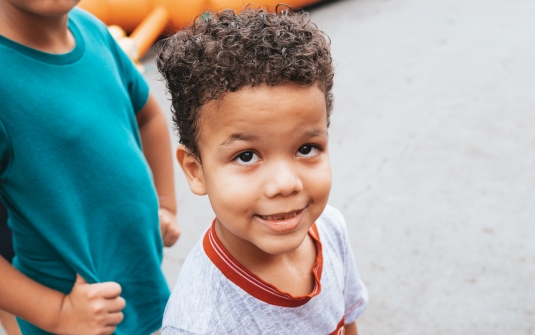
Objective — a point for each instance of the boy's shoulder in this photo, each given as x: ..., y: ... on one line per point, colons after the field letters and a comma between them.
x: 193, y: 300
x: 332, y: 229
x: 332, y: 218
x: 87, y: 20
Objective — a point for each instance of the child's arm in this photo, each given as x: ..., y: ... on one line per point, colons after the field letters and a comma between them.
x: 157, y: 149
x: 88, y: 309
x: 351, y: 329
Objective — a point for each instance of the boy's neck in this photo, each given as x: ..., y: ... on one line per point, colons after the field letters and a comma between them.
x: 245, y: 252
x: 291, y: 271
x: 45, y: 33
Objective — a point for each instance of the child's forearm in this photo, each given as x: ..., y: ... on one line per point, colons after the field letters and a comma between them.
x: 157, y: 150
x: 28, y: 299
x: 87, y: 309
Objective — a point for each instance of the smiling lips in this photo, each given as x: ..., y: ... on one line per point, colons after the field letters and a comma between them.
x: 282, y: 222
x: 281, y: 216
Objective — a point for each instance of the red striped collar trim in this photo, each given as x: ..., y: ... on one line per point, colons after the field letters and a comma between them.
x: 251, y: 283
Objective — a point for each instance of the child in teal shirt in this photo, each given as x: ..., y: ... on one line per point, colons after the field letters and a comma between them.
x: 82, y: 201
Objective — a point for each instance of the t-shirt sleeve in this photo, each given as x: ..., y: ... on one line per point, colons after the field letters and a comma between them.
x: 134, y: 81
x: 355, y: 293
x: 5, y: 152
x: 191, y: 306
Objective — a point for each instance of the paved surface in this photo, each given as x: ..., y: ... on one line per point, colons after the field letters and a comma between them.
x: 433, y: 151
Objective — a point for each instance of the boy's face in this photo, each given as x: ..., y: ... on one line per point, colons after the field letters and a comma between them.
x: 265, y: 164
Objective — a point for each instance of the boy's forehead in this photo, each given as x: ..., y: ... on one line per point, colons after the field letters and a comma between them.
x: 263, y: 98
x: 248, y: 113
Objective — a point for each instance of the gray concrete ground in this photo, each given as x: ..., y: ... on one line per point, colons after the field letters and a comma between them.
x: 433, y: 151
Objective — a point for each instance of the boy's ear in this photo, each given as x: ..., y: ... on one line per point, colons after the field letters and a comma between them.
x: 192, y: 169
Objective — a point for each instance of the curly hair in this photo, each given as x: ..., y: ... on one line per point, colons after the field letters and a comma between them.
x: 225, y: 51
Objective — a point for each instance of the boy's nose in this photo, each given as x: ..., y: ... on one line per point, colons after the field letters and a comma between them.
x: 283, y: 180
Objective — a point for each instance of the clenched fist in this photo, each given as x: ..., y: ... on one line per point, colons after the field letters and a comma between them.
x: 91, y: 309
x: 168, y: 227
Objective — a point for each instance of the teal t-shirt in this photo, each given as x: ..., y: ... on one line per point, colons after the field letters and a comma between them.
x: 79, y: 192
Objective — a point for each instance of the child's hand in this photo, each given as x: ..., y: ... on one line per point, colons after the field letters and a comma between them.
x: 168, y: 227
x: 92, y: 309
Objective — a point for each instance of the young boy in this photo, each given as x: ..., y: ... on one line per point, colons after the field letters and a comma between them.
x: 82, y: 202
x: 251, y: 96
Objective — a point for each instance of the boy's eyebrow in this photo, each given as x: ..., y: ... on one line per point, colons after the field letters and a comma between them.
x: 315, y: 133
x: 252, y: 138
x: 239, y: 137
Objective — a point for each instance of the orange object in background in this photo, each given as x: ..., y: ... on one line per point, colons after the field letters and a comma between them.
x: 182, y: 12
x: 149, y: 29
x: 271, y: 4
x: 128, y: 14
x: 148, y: 19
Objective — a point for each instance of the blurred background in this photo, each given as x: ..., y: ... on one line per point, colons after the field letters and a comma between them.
x: 433, y: 151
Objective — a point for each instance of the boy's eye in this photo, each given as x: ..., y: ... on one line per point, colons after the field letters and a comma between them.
x: 307, y: 151
x: 247, y: 157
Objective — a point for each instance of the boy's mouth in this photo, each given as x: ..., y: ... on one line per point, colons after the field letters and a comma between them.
x: 282, y: 222
x: 281, y: 216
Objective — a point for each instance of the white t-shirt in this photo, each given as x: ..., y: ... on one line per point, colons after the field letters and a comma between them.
x: 214, y: 294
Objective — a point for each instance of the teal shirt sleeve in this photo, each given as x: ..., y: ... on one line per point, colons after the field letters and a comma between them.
x: 5, y: 152
x: 137, y: 86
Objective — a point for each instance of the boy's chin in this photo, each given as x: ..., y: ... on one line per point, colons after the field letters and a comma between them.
x: 281, y: 246
x: 50, y: 8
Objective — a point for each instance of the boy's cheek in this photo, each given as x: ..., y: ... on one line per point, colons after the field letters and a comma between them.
x: 320, y: 178
x: 231, y: 177
x: 230, y: 190
x: 319, y: 187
